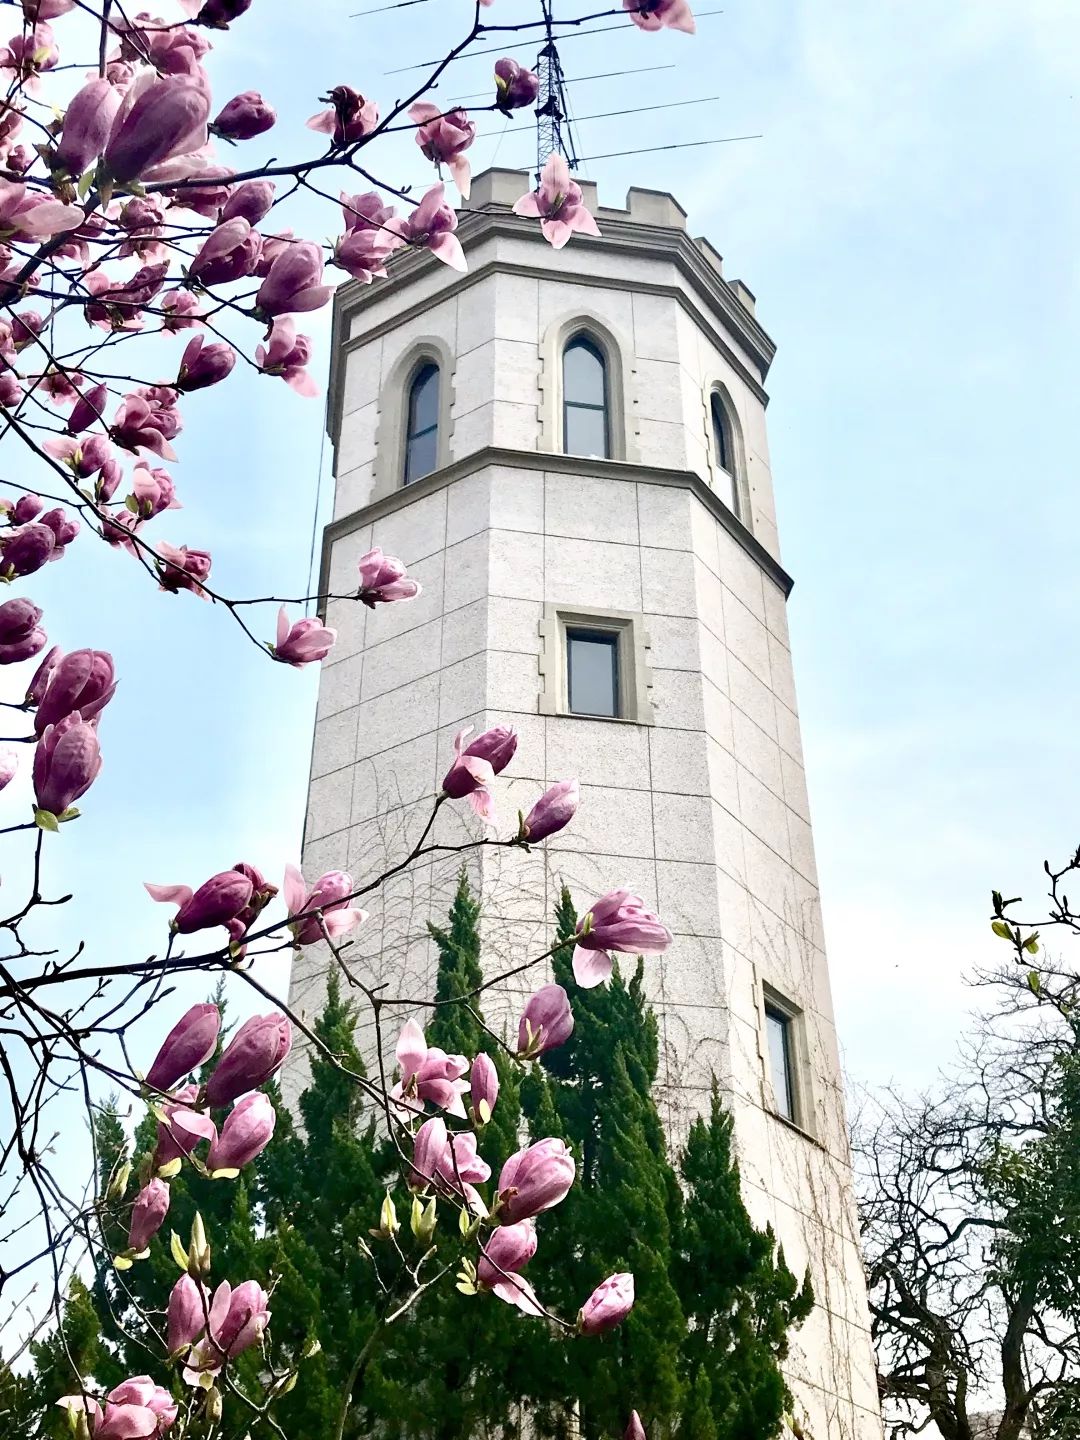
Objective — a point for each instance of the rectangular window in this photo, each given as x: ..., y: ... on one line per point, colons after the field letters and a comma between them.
x: 781, y: 1061
x: 592, y: 671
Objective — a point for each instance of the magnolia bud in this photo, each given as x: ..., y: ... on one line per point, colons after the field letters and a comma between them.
x: 423, y: 1219
x: 212, y: 1406
x: 199, y: 1251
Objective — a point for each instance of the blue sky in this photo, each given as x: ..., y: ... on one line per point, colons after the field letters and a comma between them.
x: 909, y: 223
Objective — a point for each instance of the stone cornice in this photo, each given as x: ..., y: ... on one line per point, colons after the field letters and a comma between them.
x: 619, y: 238
x: 562, y: 464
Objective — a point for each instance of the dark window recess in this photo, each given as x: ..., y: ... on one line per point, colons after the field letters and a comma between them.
x: 725, y: 458
x: 586, y: 430
x: 592, y: 668
x: 778, y: 1026
x: 422, y: 425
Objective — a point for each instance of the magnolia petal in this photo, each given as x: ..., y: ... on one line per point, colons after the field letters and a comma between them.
x: 447, y: 248
x: 591, y: 967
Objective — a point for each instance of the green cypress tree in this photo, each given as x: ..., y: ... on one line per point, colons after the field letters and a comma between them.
x: 740, y: 1298
x: 595, y: 1092
x: 460, y: 1387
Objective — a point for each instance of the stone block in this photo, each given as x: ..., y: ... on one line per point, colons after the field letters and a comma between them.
x: 588, y: 508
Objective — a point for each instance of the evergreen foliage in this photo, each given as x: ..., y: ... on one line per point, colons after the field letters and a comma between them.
x: 698, y: 1356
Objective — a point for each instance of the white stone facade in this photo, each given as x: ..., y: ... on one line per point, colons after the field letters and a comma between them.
x: 699, y: 803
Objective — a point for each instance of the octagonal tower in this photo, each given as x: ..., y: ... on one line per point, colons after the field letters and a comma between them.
x: 568, y: 449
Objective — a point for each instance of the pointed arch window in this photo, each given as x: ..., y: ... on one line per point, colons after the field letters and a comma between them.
x: 586, y: 410
x: 422, y: 424
x: 727, y: 484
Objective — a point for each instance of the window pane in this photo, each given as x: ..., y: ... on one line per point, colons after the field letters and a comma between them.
x: 779, y: 1035
x: 421, y: 456
x: 585, y: 432
x: 424, y: 401
x: 583, y: 374
x: 593, y: 672
x: 720, y: 434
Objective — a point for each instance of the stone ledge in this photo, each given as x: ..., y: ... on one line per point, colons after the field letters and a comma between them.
x: 564, y: 464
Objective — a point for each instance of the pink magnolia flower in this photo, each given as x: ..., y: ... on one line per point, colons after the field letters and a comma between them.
x: 559, y: 204
x: 137, y: 426
x: 85, y: 681
x: 182, y: 569
x: 249, y: 201
x: 181, y: 310
x: 504, y: 1253
x: 152, y: 491
x: 351, y: 117
x: 191, y: 1040
x: 159, y: 119
x: 546, y: 1022
x: 67, y: 761
x: 535, y: 1179
x: 202, y: 365
x: 469, y: 777
x: 26, y: 327
x: 635, y: 1430
x: 229, y: 252
x: 244, y: 116
x: 286, y: 355
x: 618, y: 921
x: 186, y: 1315
x: 432, y: 225
x: 364, y: 249
x: 444, y: 137
x: 383, y: 580
x: 26, y: 508
x: 182, y: 1129
x: 245, y: 1134
x: 324, y: 910
x: 608, y: 1305
x: 293, y: 282
x: 25, y: 548
x: 84, y: 457
x: 483, y: 1087
x: 476, y: 765
x: 428, y: 1074
x: 88, y: 409
x: 65, y: 527
x: 24, y: 215
x: 255, y: 1053
x: 88, y: 122
x: 515, y: 87
x: 147, y: 1214
x: 656, y: 14
x: 460, y: 1164
x: 21, y: 637
x: 238, y: 1320
x: 238, y: 1317
x: 135, y: 1410
x: 551, y: 813
x: 305, y: 641
x: 217, y: 901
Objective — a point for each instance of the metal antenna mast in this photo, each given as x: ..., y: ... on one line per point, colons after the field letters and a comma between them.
x: 553, y: 132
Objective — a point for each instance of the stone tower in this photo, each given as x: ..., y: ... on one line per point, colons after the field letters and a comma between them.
x: 568, y: 449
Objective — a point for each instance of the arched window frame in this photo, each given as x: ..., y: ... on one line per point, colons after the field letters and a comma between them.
x: 582, y: 340
x: 723, y: 423
x: 422, y: 370
x: 392, y: 424
x: 612, y: 346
